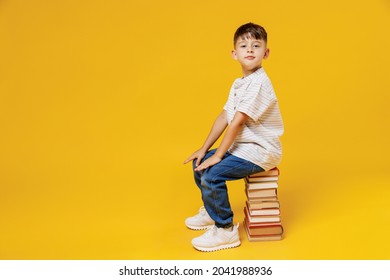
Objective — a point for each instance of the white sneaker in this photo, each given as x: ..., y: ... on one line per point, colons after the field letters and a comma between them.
x: 200, y: 221
x: 217, y: 239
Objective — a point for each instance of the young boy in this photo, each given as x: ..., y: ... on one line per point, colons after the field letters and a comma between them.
x: 253, y: 125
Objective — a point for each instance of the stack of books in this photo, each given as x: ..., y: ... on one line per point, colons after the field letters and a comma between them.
x: 262, y: 211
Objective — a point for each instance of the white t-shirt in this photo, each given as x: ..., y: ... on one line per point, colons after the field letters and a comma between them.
x: 258, y: 142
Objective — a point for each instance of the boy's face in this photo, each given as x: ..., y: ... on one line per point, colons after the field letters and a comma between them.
x: 250, y: 52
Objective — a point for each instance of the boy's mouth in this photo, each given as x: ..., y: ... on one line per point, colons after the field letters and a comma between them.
x: 250, y: 57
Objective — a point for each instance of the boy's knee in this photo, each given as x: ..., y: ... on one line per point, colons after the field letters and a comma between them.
x: 205, y: 184
x: 208, y: 179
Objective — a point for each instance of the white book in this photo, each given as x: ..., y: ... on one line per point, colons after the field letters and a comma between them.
x: 261, y: 219
x: 261, y: 185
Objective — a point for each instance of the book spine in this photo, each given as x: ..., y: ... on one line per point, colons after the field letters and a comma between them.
x: 262, y: 216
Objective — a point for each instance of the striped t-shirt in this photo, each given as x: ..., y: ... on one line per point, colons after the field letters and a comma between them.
x: 258, y: 141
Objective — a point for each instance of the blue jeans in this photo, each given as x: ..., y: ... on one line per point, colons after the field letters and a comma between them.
x: 212, y: 184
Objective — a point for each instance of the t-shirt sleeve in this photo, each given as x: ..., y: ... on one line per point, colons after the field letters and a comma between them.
x: 230, y: 96
x: 257, y: 99
x: 225, y: 106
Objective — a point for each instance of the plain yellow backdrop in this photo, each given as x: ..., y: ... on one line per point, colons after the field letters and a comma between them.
x: 101, y: 102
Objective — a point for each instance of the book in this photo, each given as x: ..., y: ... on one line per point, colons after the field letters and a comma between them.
x: 272, y: 172
x: 261, y: 185
x: 261, y: 179
x: 262, y: 212
x: 265, y: 238
x: 272, y: 237
x: 264, y: 203
x: 263, y: 228
x: 260, y: 199
x: 264, y: 193
x: 261, y: 219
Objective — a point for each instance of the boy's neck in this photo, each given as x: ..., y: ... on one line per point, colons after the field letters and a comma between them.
x: 246, y: 72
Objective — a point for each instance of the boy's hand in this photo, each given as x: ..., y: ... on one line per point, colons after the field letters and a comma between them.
x: 199, y: 155
x: 213, y: 160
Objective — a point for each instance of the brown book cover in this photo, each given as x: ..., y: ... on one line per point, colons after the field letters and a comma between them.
x: 251, y: 238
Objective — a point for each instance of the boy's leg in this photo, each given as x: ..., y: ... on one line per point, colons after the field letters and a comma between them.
x: 202, y: 219
x: 214, y: 189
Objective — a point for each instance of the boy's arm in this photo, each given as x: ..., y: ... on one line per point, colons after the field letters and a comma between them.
x: 234, y: 128
x: 216, y: 131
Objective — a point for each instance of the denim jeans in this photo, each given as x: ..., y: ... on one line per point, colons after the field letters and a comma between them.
x: 212, y: 184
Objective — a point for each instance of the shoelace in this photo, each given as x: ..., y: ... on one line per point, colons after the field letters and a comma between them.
x: 202, y: 211
x: 211, y: 232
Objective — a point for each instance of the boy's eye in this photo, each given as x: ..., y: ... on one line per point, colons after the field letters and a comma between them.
x: 243, y: 46
x: 256, y: 46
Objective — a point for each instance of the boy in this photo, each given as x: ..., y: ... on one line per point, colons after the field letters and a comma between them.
x: 253, y: 125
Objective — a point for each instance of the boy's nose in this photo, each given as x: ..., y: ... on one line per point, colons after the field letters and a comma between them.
x: 250, y: 50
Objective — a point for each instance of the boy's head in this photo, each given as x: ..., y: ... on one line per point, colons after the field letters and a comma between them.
x: 250, y: 30
x: 250, y: 47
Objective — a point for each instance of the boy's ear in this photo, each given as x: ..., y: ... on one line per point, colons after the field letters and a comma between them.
x: 234, y: 54
x: 266, y: 54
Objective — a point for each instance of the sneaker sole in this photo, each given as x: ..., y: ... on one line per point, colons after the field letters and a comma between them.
x: 217, y: 248
x: 199, y: 228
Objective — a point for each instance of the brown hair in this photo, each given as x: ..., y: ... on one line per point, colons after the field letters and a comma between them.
x: 250, y: 30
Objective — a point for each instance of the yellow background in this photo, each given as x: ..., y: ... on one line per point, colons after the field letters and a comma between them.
x: 101, y: 101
